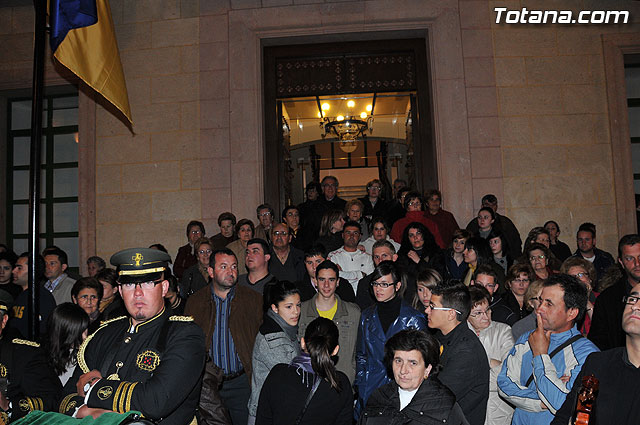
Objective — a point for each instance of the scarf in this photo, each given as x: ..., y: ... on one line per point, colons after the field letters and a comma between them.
x: 291, y: 331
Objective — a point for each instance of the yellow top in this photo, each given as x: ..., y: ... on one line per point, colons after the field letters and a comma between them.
x: 328, y: 314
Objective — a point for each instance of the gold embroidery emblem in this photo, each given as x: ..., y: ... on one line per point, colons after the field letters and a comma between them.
x: 105, y: 392
x: 148, y: 360
x: 3, y: 371
x: 71, y: 406
x: 24, y: 405
x: 137, y: 258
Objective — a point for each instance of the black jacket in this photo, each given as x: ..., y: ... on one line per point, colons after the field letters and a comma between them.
x: 602, y: 262
x: 509, y: 230
x: 432, y: 404
x: 465, y: 371
x: 606, y: 324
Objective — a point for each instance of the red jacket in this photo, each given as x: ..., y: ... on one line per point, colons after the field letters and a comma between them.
x: 420, y: 217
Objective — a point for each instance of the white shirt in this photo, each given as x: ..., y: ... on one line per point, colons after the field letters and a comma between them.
x: 353, y: 265
x: 368, y: 244
x: 406, y: 396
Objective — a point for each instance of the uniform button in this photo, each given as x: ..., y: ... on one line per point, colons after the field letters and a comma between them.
x: 127, y: 340
x: 119, y: 364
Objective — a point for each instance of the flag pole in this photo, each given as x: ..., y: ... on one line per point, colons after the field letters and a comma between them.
x: 33, y: 304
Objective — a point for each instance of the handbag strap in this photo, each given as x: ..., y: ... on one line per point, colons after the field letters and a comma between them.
x: 557, y: 350
x: 316, y: 384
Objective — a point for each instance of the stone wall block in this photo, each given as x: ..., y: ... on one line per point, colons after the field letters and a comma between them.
x: 214, y: 142
x: 519, y: 192
x: 157, y: 176
x: 446, y: 38
x: 578, y: 41
x: 169, y: 233
x: 151, y: 62
x: 601, y: 128
x: 181, y: 206
x: 139, y: 91
x: 176, y: 32
x: 479, y: 72
x: 218, y: 7
x: 562, y: 129
x: 475, y: 14
x: 214, y: 85
x: 133, y: 36
x: 530, y: 100
x: 593, y: 160
x: 481, y: 187
x: 215, y: 202
x: 189, y: 59
x: 244, y: 188
x: 108, y: 179
x: 450, y: 99
x: 585, y: 99
x: 109, y: 124
x: 175, y: 88
x: 214, y: 29
x: 190, y: 8
x: 16, y: 47
x: 477, y: 43
x: 190, y: 116
x: 122, y: 149
x: 510, y: 72
x: 157, y: 118
x: 214, y: 56
x: 330, y: 14
x: 482, y: 102
x: 486, y: 163
x: 123, y: 208
x: 214, y: 113
x: 245, y: 4
x: 177, y: 145
x: 275, y: 3
x: 533, y: 41
x: 150, y: 10
x: 514, y: 131
x: 108, y: 239
x: 216, y: 173
x: 535, y: 161
x: 190, y: 176
x: 484, y: 132
x: 558, y: 70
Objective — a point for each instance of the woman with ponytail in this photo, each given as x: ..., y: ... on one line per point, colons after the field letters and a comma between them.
x: 310, y: 390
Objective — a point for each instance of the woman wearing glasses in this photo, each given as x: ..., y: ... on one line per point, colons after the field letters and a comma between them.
x: 87, y: 293
x: 388, y: 316
x: 415, y: 213
x: 196, y: 276
x: 538, y: 256
x: 497, y: 341
x: 585, y: 272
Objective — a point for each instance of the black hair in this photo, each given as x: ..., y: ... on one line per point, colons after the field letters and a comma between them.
x: 287, y: 209
x: 430, y: 245
x: 456, y: 297
x: 377, y: 219
x: 313, y: 185
x: 352, y: 223
x: 627, y: 240
x: 173, y: 284
x: 65, y: 326
x: 409, y: 340
x: 10, y: 257
x: 87, y: 283
x: 413, y: 195
x: 587, y: 227
x: 478, y: 294
x: 575, y: 293
x: 225, y: 251
x: 227, y: 216
x: 481, y: 247
x: 194, y: 223
x: 265, y: 246
x: 386, y: 268
x: 321, y: 339
x: 54, y: 250
x: 40, y: 266
x: 316, y: 249
x: 327, y: 264
x: 108, y: 275
x: 277, y: 292
x: 486, y: 269
x: 243, y: 222
x: 489, y: 199
x: 496, y: 233
x: 551, y: 222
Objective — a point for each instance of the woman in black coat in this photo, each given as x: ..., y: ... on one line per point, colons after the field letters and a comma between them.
x: 285, y: 392
x: 415, y: 396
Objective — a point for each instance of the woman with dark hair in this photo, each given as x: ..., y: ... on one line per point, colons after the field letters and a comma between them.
x: 477, y: 251
x: 415, y: 396
x: 486, y: 220
x: 244, y: 230
x: 87, y: 293
x: 426, y: 280
x: 277, y: 339
x: 538, y: 256
x: 517, y: 282
x: 500, y: 249
x: 415, y: 213
x: 66, y: 330
x: 196, y: 277
x: 331, y: 226
x: 560, y: 249
x: 7, y: 263
x: 388, y: 316
x: 454, y: 258
x: 310, y: 387
x: 111, y: 305
x: 418, y: 250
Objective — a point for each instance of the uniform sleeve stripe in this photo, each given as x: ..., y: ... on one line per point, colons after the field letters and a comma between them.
x: 129, y: 395
x: 116, y: 396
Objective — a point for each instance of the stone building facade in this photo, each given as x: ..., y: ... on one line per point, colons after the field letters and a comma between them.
x: 532, y: 113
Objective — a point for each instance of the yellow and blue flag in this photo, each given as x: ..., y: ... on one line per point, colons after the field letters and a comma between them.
x: 83, y: 40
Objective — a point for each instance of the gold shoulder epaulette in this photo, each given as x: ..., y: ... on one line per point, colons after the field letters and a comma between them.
x: 106, y: 322
x: 181, y: 318
x: 25, y: 342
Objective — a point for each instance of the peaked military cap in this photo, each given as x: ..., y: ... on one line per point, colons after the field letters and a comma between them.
x: 139, y: 264
x: 6, y: 301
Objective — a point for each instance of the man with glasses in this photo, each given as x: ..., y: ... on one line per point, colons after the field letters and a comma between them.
x: 617, y: 371
x: 286, y: 262
x: 543, y: 366
x: 330, y: 197
x: 373, y: 203
x: 149, y: 361
x: 186, y: 256
x: 265, y: 215
x: 352, y: 262
x: 465, y: 370
x: 388, y: 316
x: 605, y: 330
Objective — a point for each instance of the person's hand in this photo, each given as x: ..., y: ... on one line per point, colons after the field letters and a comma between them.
x: 539, y: 339
x: 362, y: 248
x: 565, y: 378
x: 90, y: 377
x: 493, y: 363
x: 543, y: 406
x: 413, y: 256
x: 90, y: 411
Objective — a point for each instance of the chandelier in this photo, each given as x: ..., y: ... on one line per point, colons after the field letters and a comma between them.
x: 347, y: 129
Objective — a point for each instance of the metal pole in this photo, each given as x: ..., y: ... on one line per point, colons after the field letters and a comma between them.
x: 33, y: 304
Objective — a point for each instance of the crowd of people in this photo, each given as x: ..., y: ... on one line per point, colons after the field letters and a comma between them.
x: 379, y: 310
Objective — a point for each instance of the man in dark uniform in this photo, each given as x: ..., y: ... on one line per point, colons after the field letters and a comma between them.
x: 26, y: 381
x: 149, y: 361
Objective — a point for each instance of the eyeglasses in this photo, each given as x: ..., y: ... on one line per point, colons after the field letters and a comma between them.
x: 143, y: 285
x: 374, y: 187
x: 432, y: 306
x: 537, y: 257
x: 264, y: 214
x: 330, y: 185
x: 522, y: 280
x: 383, y: 285
x: 630, y: 300
x: 88, y: 297
x: 281, y: 233
x: 579, y: 275
x: 196, y: 232
x: 415, y: 203
x: 475, y: 314
x: 205, y: 251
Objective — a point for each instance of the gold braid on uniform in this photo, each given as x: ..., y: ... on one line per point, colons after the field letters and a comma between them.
x: 80, y: 356
x: 122, y: 397
x: 25, y: 342
x: 181, y: 318
x: 68, y: 403
x: 4, y: 418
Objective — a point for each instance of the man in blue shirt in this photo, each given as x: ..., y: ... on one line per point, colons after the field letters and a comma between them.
x: 537, y: 375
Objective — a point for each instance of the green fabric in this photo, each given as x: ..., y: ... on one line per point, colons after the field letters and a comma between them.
x: 37, y: 417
